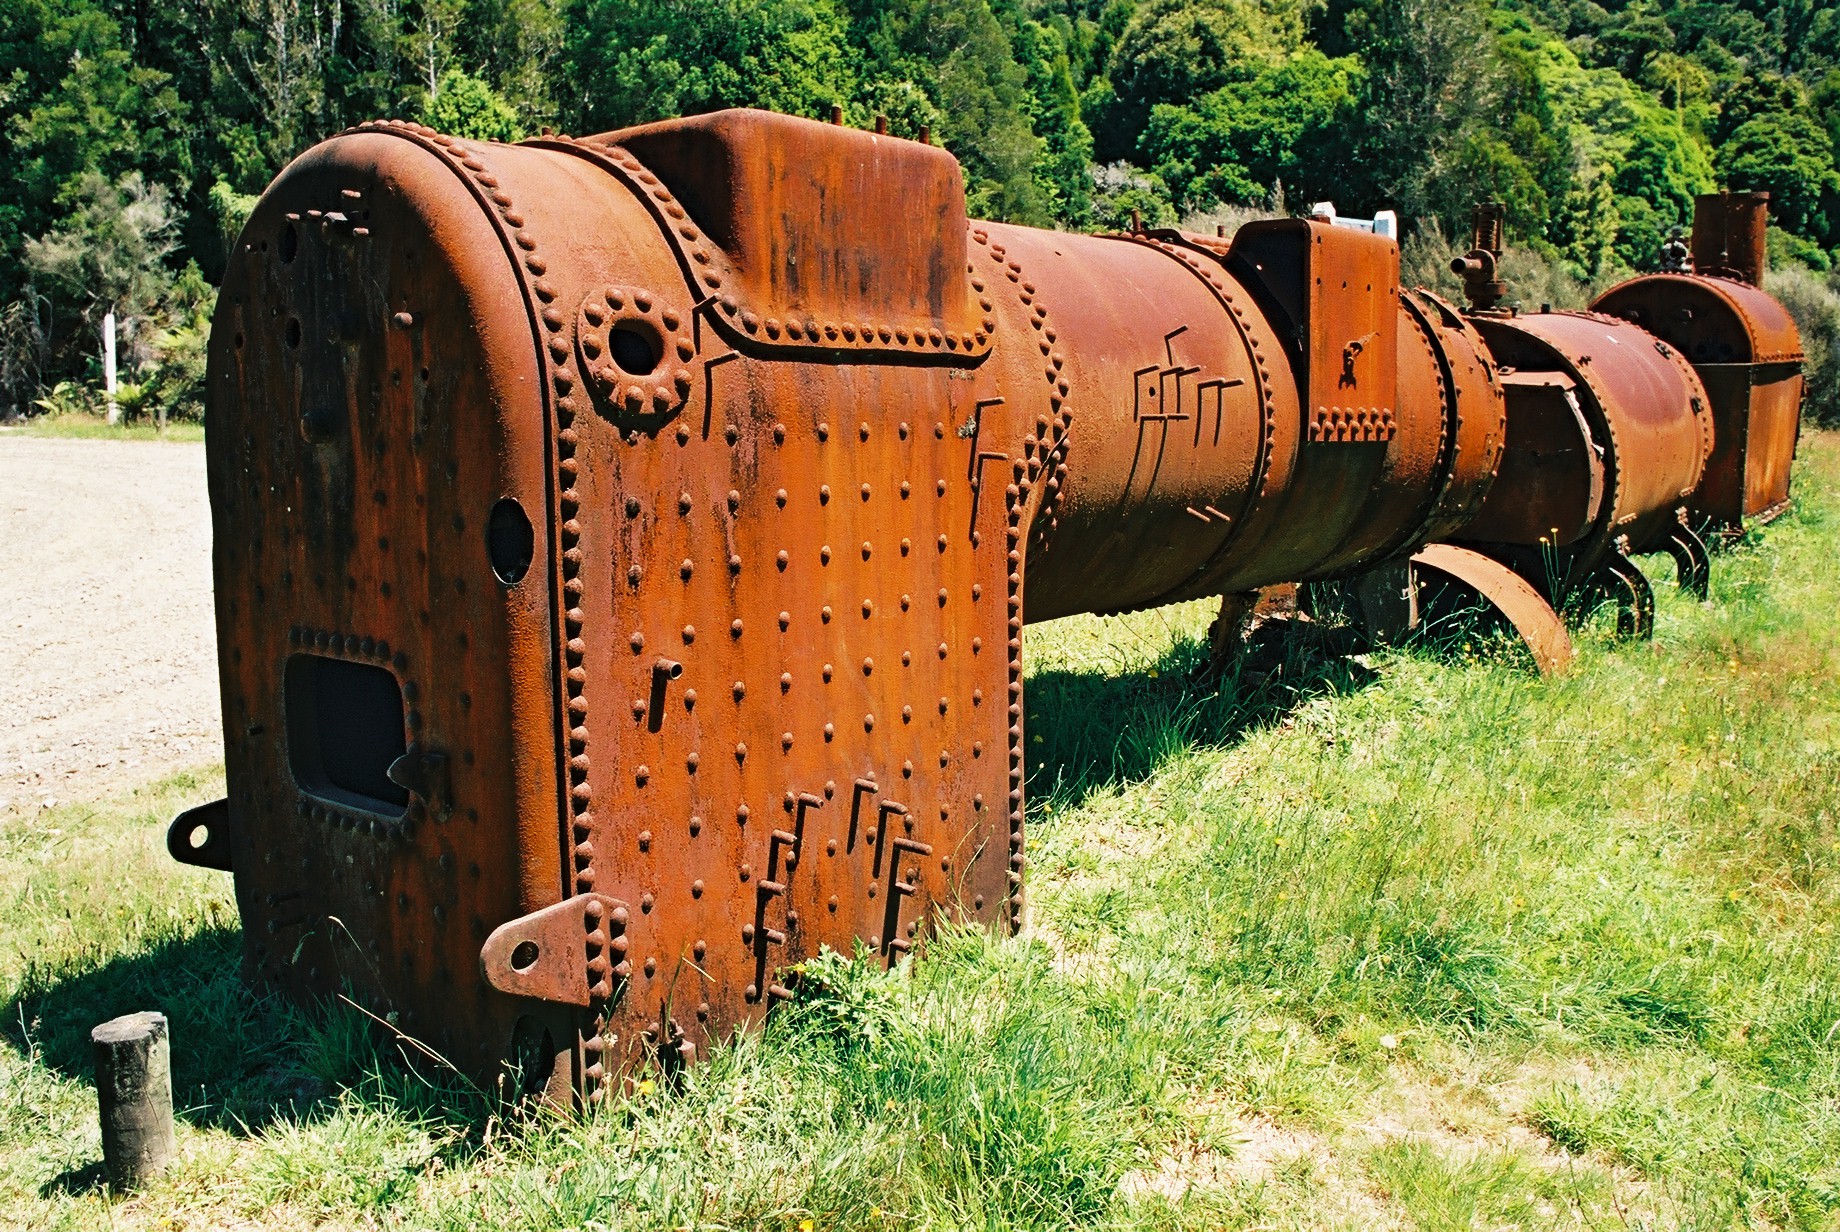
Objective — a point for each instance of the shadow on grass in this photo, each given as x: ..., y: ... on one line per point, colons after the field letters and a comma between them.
x: 1093, y: 731
x: 242, y: 1059
x: 236, y: 1055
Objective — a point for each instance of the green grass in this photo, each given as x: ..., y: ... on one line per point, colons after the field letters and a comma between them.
x: 78, y: 426
x: 1416, y: 941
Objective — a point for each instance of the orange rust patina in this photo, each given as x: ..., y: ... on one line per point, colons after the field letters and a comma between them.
x: 622, y: 544
x: 1745, y: 348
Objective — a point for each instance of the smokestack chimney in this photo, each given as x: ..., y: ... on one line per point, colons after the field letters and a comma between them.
x: 1728, y: 235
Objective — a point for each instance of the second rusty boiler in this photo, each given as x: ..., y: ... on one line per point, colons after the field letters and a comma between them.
x: 624, y: 545
x: 1744, y: 346
x: 1609, y: 431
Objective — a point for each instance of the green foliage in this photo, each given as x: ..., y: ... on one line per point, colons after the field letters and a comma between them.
x: 108, y: 254
x: 635, y: 60
x: 1173, y: 51
x: 1121, y: 192
x: 464, y: 106
x: 1595, y: 124
x: 1283, y: 125
x: 1814, y: 302
x: 1791, y: 157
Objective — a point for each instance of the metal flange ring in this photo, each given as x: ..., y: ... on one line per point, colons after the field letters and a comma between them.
x: 636, y: 351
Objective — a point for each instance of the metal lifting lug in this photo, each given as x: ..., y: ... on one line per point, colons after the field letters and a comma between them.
x: 421, y: 771
x: 544, y: 955
x: 201, y: 836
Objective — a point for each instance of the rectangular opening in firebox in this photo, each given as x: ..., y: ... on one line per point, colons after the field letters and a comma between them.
x: 344, y: 729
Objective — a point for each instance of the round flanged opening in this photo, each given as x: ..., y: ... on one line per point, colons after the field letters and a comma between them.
x: 636, y: 350
x: 510, y: 542
x: 524, y: 957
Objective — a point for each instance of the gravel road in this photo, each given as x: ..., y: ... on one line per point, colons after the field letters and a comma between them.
x: 108, y: 660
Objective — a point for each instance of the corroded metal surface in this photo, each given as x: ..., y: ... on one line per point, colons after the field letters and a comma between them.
x: 1511, y: 595
x: 1745, y: 348
x: 1612, y: 431
x: 622, y: 543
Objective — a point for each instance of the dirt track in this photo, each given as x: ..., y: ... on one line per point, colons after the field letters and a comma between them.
x: 108, y: 664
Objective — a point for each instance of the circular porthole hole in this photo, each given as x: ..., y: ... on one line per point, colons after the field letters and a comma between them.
x: 524, y: 956
x: 290, y: 244
x: 199, y: 836
x: 509, y: 541
x: 636, y: 350
x: 292, y: 333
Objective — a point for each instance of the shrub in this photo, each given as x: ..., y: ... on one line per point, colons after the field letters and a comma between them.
x: 1814, y: 302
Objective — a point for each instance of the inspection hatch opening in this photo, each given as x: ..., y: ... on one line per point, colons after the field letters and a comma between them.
x: 344, y: 729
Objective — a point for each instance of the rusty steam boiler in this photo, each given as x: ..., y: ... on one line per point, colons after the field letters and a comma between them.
x: 624, y: 544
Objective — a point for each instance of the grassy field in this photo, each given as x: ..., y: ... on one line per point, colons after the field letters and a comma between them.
x: 78, y: 426
x: 1419, y: 941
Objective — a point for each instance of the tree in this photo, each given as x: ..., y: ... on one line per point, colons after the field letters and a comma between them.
x: 91, y: 109
x: 1791, y: 157
x: 1174, y: 51
x: 631, y: 61
x: 1432, y: 78
x: 1063, y: 172
x: 959, y: 55
x: 1633, y: 37
x: 464, y: 106
x: 110, y: 255
x: 1287, y: 123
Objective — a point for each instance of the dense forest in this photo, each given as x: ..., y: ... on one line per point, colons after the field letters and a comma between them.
x: 136, y: 133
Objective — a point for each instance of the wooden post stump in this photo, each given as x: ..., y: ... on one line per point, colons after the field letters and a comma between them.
x: 134, y: 1089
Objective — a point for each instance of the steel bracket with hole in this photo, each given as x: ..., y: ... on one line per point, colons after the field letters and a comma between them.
x: 544, y: 955
x: 201, y: 836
